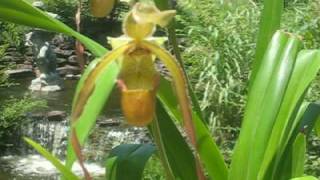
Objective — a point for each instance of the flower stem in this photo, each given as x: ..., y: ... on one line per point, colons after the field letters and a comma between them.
x: 156, y: 134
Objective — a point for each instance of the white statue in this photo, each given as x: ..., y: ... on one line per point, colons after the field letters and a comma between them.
x: 45, y: 58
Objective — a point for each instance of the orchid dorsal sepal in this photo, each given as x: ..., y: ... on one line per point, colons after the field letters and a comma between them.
x: 149, y: 13
x: 141, y: 22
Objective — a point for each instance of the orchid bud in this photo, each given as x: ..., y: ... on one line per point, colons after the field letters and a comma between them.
x: 101, y: 8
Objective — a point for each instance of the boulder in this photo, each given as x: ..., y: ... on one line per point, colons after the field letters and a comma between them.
x: 56, y: 115
x: 20, y: 73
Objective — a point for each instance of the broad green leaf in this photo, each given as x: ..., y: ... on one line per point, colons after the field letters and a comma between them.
x: 208, y: 151
x: 111, y: 168
x: 306, y: 67
x: 269, y: 24
x: 179, y: 154
x: 264, y: 101
x: 305, y: 178
x: 130, y: 160
x: 66, y: 173
x: 22, y: 12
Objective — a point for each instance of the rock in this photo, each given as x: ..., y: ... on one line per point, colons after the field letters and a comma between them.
x: 56, y: 115
x: 36, y: 115
x: 62, y: 61
x: 52, y: 88
x: 24, y: 66
x: 108, y: 122
x: 73, y: 60
x: 20, y: 73
x: 72, y: 77
x: 69, y: 70
x: 47, y: 83
x: 63, y: 53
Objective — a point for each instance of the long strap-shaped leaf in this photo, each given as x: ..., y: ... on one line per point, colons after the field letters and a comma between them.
x: 292, y: 160
x: 22, y: 12
x: 306, y: 68
x: 269, y: 24
x: 92, y: 92
x: 263, y: 104
x: 64, y: 171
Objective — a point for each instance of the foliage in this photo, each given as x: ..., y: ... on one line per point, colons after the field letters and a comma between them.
x: 218, y: 47
x: 12, y: 34
x: 274, y: 114
x: 13, y: 112
x: 154, y: 170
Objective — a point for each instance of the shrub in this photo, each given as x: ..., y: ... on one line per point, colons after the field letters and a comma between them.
x: 13, y: 111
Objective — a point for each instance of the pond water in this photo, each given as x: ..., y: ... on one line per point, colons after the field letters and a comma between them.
x: 25, y: 164
x: 60, y: 100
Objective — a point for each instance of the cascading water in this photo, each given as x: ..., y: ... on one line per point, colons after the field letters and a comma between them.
x: 50, y: 134
x: 25, y: 163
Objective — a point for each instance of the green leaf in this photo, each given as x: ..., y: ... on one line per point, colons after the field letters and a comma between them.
x: 179, y: 154
x: 269, y: 23
x: 97, y: 83
x: 66, y: 173
x: 291, y: 163
x: 208, y: 151
x: 128, y: 161
x: 305, y: 70
x: 264, y: 101
x: 22, y: 12
x: 298, y: 155
x: 305, y: 178
x: 111, y: 168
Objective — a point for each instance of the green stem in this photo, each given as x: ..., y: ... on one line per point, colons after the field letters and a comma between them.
x: 155, y: 129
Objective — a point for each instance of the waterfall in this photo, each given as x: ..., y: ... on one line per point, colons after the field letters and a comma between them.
x: 21, y: 161
x: 52, y: 135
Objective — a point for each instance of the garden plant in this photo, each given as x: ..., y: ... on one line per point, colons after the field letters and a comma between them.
x: 277, y: 120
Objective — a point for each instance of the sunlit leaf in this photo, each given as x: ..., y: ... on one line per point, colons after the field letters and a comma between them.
x: 22, y: 12
x: 305, y: 178
x: 269, y: 24
x: 264, y: 101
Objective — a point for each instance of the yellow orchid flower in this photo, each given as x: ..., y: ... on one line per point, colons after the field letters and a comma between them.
x: 135, y: 52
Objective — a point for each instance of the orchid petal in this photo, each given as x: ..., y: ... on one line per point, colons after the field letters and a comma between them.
x: 80, y: 101
x: 180, y: 85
